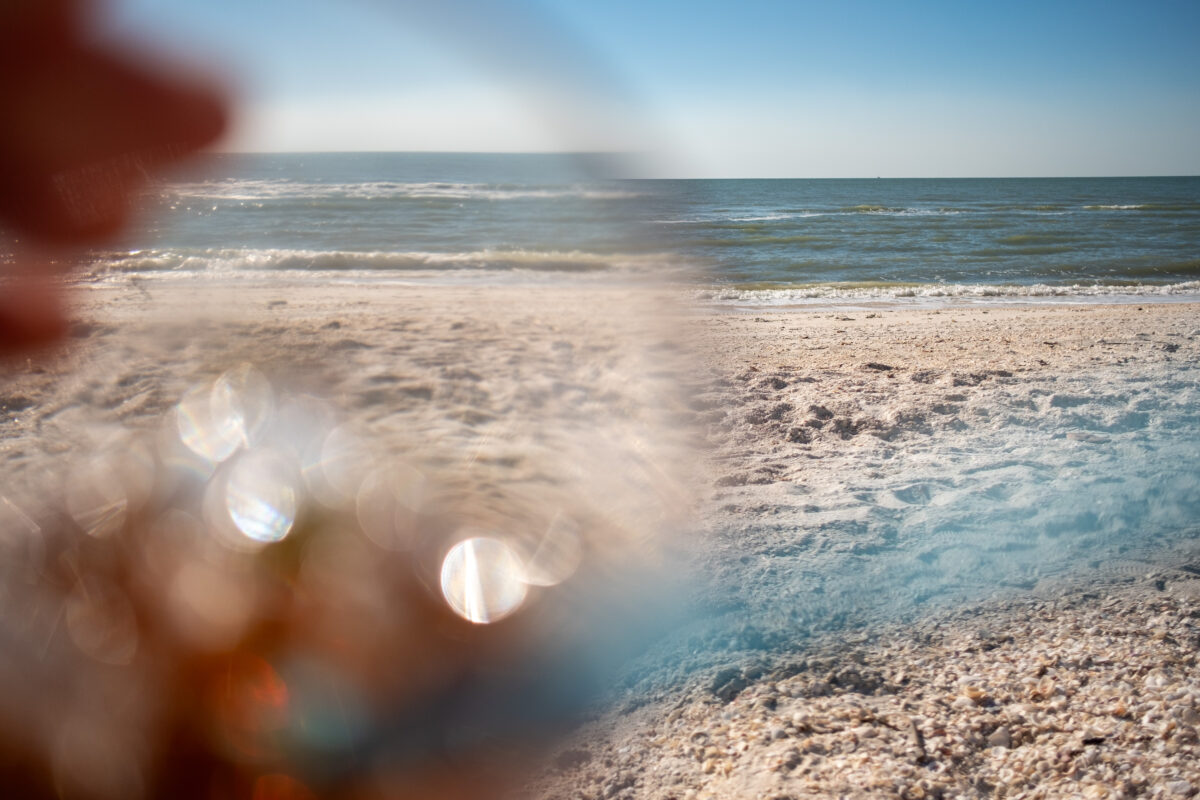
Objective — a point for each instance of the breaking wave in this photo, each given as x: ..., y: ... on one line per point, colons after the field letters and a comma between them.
x: 226, y: 261
x: 810, y: 293
x: 266, y: 189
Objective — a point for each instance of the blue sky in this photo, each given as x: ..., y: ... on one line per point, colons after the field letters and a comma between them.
x: 752, y: 89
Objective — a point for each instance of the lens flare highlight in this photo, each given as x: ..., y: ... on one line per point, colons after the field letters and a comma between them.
x: 261, y: 496
x: 483, y: 580
x: 243, y: 396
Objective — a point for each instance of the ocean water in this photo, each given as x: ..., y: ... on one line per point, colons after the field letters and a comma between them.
x: 379, y: 216
x: 789, y: 240
x: 506, y: 218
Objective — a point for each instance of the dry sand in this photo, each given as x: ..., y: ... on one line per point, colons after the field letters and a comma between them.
x: 862, y: 635
x: 482, y: 384
x: 835, y: 445
x: 541, y: 417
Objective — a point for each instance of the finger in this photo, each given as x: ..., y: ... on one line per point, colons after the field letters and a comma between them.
x: 31, y: 315
x: 80, y: 132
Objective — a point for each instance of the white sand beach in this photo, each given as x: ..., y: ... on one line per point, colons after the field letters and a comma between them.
x: 989, y: 644
x: 869, y: 620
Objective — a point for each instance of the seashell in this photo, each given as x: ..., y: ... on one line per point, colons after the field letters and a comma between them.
x: 1001, y: 737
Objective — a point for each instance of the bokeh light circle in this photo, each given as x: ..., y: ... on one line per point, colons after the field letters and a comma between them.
x: 483, y: 579
x: 214, y: 437
x: 243, y: 397
x: 261, y: 496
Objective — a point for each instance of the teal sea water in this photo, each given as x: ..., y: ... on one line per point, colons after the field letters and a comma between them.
x: 799, y: 239
x: 472, y: 217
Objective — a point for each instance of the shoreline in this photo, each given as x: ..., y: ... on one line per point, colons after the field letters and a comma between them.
x: 942, y: 296
x: 817, y: 305
x: 713, y: 296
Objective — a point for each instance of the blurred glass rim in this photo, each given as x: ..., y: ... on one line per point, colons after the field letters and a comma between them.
x: 557, y: 77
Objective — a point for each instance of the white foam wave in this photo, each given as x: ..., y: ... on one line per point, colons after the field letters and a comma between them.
x: 907, y: 212
x: 708, y: 219
x: 762, y: 218
x: 1127, y: 207
x: 258, y: 190
x: 877, y: 211
x: 229, y: 261
x: 801, y: 295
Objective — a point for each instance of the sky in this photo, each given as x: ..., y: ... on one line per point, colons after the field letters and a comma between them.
x: 758, y: 88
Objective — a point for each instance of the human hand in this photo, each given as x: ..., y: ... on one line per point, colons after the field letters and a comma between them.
x: 83, y: 124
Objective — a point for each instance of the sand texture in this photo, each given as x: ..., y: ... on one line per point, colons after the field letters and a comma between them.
x: 949, y: 553
x: 154, y: 523
x: 1088, y: 692
x: 485, y: 386
x: 927, y: 552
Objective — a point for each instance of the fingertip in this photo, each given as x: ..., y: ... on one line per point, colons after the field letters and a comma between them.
x: 31, y: 316
x: 207, y: 113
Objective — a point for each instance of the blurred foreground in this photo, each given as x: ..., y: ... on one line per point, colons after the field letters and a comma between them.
x: 339, y: 541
